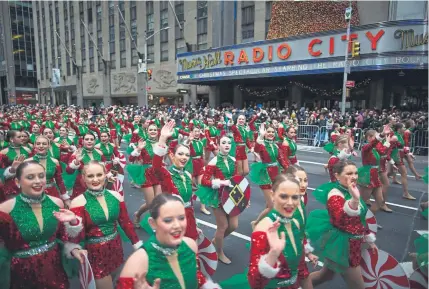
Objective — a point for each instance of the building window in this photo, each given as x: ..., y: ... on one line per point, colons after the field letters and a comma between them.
x: 151, y: 53
x: 202, y: 25
x: 122, y: 45
x: 164, y: 51
x: 268, y: 7
x: 247, y: 21
x: 180, y: 46
x: 164, y: 16
x: 83, y: 66
x: 202, y: 41
x: 91, y: 64
x: 149, y: 17
x: 179, y: 9
x: 134, y: 57
x: 100, y: 63
x: 113, y: 61
x: 123, y: 59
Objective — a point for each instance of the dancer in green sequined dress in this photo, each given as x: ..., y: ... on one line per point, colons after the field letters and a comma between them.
x: 168, y: 260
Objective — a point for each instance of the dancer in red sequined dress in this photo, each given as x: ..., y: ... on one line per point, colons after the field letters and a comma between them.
x: 338, y: 233
x: 11, y: 157
x: 30, y: 232
x: 82, y: 157
x: 272, y: 163
x: 276, y: 252
x: 241, y: 137
x: 142, y: 173
x: 98, y: 212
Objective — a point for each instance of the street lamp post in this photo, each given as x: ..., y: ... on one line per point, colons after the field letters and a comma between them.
x: 348, y: 16
x: 142, y: 99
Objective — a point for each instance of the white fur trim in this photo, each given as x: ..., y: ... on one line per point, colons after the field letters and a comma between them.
x: 69, y: 247
x: 73, y: 231
x: 379, y: 138
x: 308, y: 248
x: 392, y: 162
x: 65, y: 197
x: 160, y: 151
x: 387, y: 144
x: 266, y: 270
x: 349, y: 211
x: 137, y: 245
x: 74, y: 166
x: 135, y: 153
x: 370, y: 238
x: 216, y: 184
x: 343, y: 155
x: 209, y: 284
x: 7, y: 174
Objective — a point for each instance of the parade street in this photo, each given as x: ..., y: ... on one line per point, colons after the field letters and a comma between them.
x: 396, y: 237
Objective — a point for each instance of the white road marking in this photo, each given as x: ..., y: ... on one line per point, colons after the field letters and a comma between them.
x: 213, y: 226
x: 241, y: 236
x: 388, y: 203
x: 408, y: 268
x: 320, y: 164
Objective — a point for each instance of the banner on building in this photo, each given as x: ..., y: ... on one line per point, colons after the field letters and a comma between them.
x: 56, y: 77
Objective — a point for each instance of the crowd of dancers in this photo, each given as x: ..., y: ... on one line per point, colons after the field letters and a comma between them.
x: 63, y: 200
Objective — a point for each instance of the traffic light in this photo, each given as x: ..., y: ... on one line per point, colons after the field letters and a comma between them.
x: 149, y: 74
x: 355, y: 49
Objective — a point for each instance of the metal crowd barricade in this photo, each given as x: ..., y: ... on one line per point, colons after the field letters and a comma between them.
x: 322, y: 136
x: 358, y: 137
x: 307, y: 133
x: 419, y: 142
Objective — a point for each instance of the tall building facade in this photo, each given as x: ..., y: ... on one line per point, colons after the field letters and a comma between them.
x: 95, y: 46
x: 18, y: 77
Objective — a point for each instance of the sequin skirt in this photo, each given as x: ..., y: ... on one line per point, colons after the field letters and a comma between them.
x: 105, y: 257
x: 43, y: 271
x: 198, y: 167
x: 240, y: 153
x: 191, y: 224
x: 383, y: 165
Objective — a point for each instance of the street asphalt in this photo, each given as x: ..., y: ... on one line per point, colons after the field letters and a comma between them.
x: 396, y: 237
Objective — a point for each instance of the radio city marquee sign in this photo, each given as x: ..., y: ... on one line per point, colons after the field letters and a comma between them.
x: 303, y: 51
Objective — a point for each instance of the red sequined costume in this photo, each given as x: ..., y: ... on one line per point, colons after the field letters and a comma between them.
x: 102, y: 240
x: 36, y: 257
x: 197, y: 160
x: 145, y: 159
x: 169, y: 179
x: 242, y: 139
x: 385, y: 150
x: 9, y: 188
x: 213, y: 174
x: 211, y: 134
x: 272, y: 170
x: 55, y: 185
x: 349, y: 220
x: 369, y: 159
x: 260, y: 273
